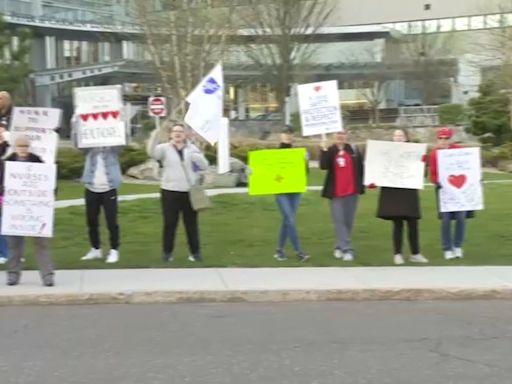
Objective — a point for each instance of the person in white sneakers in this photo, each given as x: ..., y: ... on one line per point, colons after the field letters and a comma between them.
x: 452, y: 246
x: 101, y: 178
x: 342, y: 186
x: 401, y: 205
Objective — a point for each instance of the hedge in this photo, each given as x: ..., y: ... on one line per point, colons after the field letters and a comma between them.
x: 71, y: 161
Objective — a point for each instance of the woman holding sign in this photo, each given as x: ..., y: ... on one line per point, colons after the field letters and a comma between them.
x: 288, y: 204
x: 401, y: 205
x: 180, y: 161
x: 452, y: 246
x: 342, y: 186
x: 17, y: 243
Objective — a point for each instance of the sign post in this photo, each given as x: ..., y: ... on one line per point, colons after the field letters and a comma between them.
x: 157, y: 108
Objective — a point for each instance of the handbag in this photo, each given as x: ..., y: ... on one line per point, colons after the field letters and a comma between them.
x: 199, y: 200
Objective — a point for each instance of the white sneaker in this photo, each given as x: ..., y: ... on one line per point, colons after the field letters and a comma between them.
x: 93, y: 254
x: 459, y: 253
x: 348, y: 256
x: 3, y: 260
x: 113, y: 256
x: 338, y: 254
x: 418, y: 258
x: 448, y: 255
x: 398, y: 259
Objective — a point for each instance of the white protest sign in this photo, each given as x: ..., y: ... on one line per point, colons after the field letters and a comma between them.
x: 223, y: 148
x: 28, y: 205
x: 394, y: 164
x: 39, y: 125
x: 460, y: 175
x: 99, y: 116
x: 319, y: 105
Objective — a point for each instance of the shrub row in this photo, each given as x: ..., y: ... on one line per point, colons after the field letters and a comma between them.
x: 71, y: 161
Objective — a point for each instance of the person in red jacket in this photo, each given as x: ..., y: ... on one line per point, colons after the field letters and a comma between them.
x: 342, y: 186
x: 452, y: 246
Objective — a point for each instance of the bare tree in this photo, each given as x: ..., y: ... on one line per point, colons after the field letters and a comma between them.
x: 184, y: 39
x: 430, y: 55
x: 283, y: 33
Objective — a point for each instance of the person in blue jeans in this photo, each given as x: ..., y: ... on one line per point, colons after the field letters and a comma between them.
x: 288, y: 204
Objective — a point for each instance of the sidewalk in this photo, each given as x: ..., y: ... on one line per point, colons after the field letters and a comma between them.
x: 260, y: 285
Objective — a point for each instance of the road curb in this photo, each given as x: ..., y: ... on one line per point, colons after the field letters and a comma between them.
x: 155, y: 297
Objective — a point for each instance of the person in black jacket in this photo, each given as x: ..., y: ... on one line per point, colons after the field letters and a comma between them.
x: 16, y: 243
x: 342, y: 186
x: 402, y: 205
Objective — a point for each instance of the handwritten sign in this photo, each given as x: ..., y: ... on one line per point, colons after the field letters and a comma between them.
x: 28, y: 205
x: 319, y: 105
x: 393, y: 164
x: 100, y: 121
x: 460, y: 175
x: 39, y: 125
x: 277, y: 171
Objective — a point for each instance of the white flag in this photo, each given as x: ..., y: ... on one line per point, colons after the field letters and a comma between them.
x: 223, y: 165
x: 204, y: 114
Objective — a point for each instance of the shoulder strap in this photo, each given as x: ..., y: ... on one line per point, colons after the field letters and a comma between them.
x: 182, y: 162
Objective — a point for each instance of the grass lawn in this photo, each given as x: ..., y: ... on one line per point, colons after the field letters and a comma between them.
x: 242, y: 230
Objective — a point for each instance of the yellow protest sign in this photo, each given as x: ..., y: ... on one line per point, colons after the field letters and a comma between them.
x: 277, y: 171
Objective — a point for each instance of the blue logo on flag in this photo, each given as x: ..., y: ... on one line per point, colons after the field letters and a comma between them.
x: 211, y: 86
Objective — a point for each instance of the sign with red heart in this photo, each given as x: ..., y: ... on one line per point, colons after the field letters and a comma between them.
x: 100, y: 121
x: 457, y: 181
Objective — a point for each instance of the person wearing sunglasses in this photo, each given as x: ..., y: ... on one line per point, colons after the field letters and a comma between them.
x: 452, y: 245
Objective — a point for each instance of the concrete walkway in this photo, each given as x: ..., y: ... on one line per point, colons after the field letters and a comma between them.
x: 261, y: 284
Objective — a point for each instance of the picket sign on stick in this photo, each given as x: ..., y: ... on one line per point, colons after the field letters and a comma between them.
x: 319, y: 107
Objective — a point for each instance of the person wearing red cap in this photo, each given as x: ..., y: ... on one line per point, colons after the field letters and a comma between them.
x: 452, y: 246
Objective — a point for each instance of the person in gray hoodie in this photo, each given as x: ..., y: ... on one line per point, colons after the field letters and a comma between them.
x: 180, y: 160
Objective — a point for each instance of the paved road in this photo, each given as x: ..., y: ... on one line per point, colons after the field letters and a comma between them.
x: 358, y: 342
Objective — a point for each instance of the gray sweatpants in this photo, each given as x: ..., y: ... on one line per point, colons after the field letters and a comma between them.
x: 16, y: 253
x: 343, y: 210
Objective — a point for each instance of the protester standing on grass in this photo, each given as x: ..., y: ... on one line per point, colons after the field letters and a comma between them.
x: 101, y: 177
x: 181, y: 160
x: 342, y: 186
x: 401, y: 205
x: 288, y: 204
x: 452, y: 246
x: 17, y: 243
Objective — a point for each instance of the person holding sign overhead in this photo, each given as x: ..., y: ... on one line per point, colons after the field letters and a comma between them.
x: 16, y: 243
x: 401, y: 205
x: 101, y: 177
x: 288, y: 204
x: 452, y: 246
x: 342, y: 186
x: 181, y: 161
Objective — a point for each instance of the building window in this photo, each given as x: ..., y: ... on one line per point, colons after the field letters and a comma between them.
x: 427, y: 7
x: 461, y: 23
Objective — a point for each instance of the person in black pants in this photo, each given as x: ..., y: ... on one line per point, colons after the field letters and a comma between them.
x: 180, y: 161
x: 401, y: 205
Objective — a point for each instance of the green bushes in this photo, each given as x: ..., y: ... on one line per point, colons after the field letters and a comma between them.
x: 493, y: 157
x: 71, y: 161
x: 452, y: 114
